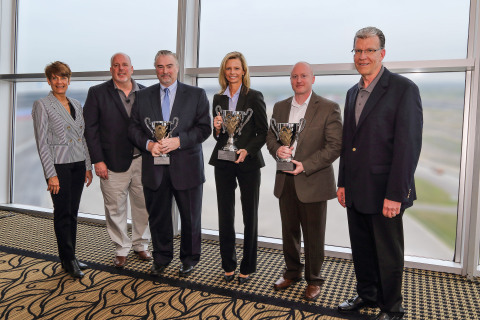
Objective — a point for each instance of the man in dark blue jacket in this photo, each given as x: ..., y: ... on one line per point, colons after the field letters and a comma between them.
x: 382, y: 139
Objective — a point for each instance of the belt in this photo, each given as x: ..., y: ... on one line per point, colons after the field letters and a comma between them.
x: 135, y: 156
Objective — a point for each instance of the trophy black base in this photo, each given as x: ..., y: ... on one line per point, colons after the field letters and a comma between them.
x: 161, y: 161
x: 285, y: 166
x: 227, y: 155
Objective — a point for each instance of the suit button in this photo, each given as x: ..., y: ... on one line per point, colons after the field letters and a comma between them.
x: 70, y: 140
x: 354, y: 149
x: 79, y: 139
x: 68, y: 127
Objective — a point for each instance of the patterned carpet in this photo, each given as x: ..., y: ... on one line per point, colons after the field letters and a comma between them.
x: 33, y: 285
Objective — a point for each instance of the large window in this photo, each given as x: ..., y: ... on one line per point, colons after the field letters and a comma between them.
x: 279, y: 32
x: 86, y: 33
x: 430, y: 225
x: 426, y: 40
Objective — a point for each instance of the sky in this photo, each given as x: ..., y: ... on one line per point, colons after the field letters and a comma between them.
x: 85, y: 33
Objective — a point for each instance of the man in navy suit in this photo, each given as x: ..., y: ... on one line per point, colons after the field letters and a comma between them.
x: 183, y: 178
x: 382, y: 139
x: 117, y: 163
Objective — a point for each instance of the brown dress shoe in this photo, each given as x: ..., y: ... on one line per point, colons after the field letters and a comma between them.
x: 120, y: 261
x: 283, y: 283
x: 144, y: 255
x: 312, y: 292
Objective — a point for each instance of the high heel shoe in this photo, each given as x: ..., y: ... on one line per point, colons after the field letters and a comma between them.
x: 72, y: 268
x: 81, y: 265
x: 229, y: 278
x: 242, y: 280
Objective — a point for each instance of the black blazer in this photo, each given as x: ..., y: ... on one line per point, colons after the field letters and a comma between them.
x: 253, y: 134
x: 186, y: 163
x: 106, y: 127
x: 380, y: 154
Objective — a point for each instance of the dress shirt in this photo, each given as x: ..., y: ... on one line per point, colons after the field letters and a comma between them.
x: 297, y: 112
x: 173, y: 91
x: 364, y: 93
x: 232, y: 101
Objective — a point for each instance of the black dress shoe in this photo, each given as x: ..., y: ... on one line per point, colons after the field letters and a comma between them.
x: 354, y: 304
x: 389, y: 316
x: 229, y: 277
x: 185, y: 270
x: 81, y: 265
x: 72, y: 268
x: 157, y: 269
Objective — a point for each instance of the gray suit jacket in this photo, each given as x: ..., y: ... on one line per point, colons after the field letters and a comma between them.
x: 318, y: 146
x: 59, y: 137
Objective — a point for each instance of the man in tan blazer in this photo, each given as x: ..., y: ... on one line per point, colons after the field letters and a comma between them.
x: 303, y: 192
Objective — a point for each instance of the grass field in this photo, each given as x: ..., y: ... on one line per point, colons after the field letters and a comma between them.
x: 442, y: 224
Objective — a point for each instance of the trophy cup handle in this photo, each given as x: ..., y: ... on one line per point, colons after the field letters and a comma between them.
x: 174, y: 126
x: 301, y: 125
x: 218, y: 109
x: 247, y: 117
x: 273, y: 126
x: 148, y: 123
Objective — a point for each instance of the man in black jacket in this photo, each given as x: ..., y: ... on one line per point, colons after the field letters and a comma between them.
x: 117, y: 163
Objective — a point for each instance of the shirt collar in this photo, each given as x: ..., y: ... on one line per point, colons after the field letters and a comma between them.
x: 227, y: 92
x: 135, y: 86
x: 372, y: 84
x: 296, y: 105
x: 172, y: 87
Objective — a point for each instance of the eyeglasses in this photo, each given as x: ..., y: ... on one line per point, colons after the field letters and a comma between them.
x: 368, y: 52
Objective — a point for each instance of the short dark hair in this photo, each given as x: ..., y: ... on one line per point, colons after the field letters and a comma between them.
x: 370, y: 32
x: 58, y: 68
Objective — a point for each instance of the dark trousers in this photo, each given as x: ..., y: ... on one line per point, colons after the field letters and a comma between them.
x: 377, y: 249
x: 226, y: 183
x: 71, y: 177
x: 159, y: 207
x: 311, y: 218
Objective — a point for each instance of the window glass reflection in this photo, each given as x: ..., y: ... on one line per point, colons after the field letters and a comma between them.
x: 86, y: 33
x: 30, y: 187
x: 430, y: 225
x: 278, y: 32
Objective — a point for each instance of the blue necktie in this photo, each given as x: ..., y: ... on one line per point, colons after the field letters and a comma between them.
x: 166, y: 105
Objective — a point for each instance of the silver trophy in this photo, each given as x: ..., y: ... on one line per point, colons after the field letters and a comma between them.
x: 161, y: 130
x: 287, y: 134
x: 233, y: 123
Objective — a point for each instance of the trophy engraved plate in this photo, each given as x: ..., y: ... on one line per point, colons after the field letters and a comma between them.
x: 232, y: 123
x: 161, y: 130
x: 287, y: 134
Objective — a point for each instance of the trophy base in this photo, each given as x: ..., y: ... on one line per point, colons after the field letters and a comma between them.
x: 227, y: 155
x: 161, y: 161
x: 285, y: 166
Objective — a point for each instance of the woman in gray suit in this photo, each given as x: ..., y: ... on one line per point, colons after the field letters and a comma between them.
x: 58, y: 126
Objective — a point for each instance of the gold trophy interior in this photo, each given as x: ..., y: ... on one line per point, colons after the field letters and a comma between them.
x: 287, y: 134
x: 161, y: 130
x: 232, y: 123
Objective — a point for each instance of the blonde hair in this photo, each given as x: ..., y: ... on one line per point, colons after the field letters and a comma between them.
x: 221, y: 73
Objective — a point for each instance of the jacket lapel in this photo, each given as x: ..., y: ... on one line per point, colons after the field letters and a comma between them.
x: 375, y: 96
x: 178, y: 102
x: 312, y: 109
x: 60, y: 109
x: 155, y: 103
x: 116, y: 98
x: 242, y: 100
